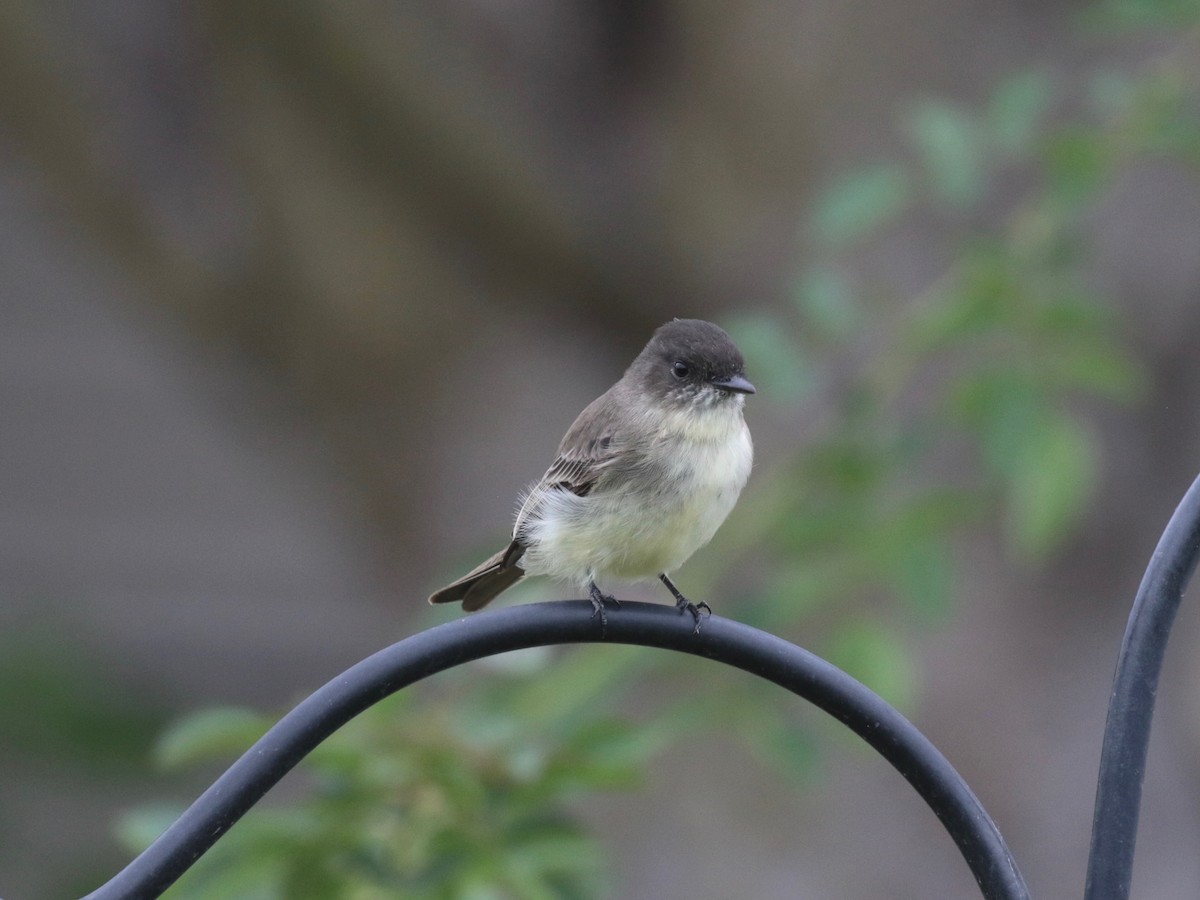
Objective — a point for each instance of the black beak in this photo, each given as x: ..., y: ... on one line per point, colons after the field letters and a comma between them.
x: 735, y: 383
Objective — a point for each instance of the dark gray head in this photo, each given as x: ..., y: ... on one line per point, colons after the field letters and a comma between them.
x: 689, y: 360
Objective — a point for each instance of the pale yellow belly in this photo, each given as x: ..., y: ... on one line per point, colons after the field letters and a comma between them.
x: 620, y: 535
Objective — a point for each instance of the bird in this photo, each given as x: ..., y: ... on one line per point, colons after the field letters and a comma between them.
x: 642, y: 479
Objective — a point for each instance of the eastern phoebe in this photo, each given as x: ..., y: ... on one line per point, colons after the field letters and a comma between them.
x: 642, y: 480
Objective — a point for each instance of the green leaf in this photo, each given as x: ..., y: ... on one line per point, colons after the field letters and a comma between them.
x: 576, y: 691
x: 1017, y: 107
x: 1101, y: 370
x: 924, y: 577
x: 1048, y: 493
x: 1113, y: 93
x: 861, y: 202
x: 775, y: 363
x: 559, y: 850
x: 978, y: 305
x: 138, y: 829
x: 1001, y: 407
x: 208, y: 735
x: 783, y: 744
x: 828, y: 302
x: 623, y: 744
x: 949, y: 142
x: 1078, y: 162
x: 798, y: 587
x: 874, y: 655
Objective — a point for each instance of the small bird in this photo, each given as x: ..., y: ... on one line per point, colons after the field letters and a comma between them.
x: 643, y: 478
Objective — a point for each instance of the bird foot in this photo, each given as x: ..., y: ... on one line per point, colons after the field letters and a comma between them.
x: 682, y: 603
x: 699, y: 611
x: 599, y: 599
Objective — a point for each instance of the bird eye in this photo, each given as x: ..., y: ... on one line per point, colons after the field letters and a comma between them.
x: 680, y: 369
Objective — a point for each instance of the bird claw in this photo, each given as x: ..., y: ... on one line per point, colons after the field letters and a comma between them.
x: 699, y: 611
x: 599, y: 599
x: 682, y: 603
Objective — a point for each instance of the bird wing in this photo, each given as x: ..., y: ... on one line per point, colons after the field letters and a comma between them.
x: 577, y: 470
x: 590, y: 448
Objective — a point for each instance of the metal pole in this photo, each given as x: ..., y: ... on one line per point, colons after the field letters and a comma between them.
x: 517, y: 627
x: 1127, y: 732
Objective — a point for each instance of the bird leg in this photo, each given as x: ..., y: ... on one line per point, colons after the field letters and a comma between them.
x: 599, y: 598
x: 683, y: 603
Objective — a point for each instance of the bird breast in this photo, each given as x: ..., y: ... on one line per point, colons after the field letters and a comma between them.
x: 651, y: 517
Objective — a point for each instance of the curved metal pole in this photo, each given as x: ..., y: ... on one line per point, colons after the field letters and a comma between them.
x: 531, y: 625
x: 1127, y: 732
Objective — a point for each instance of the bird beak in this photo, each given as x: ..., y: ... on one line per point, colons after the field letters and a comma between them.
x: 735, y: 383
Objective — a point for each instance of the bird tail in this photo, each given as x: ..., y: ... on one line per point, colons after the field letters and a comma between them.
x: 482, y: 584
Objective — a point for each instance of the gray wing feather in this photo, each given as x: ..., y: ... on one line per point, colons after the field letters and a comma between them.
x: 590, y: 448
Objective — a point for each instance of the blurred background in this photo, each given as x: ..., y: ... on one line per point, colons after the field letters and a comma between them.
x: 296, y: 297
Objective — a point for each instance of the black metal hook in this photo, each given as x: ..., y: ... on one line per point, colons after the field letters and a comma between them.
x: 1127, y: 732
x: 518, y: 627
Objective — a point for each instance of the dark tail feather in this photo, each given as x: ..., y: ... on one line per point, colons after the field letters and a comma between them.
x: 482, y: 584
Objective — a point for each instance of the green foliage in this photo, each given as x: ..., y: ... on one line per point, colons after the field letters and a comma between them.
x: 915, y: 420
x: 861, y: 202
x: 210, y: 734
x: 828, y: 303
x: 760, y: 338
x: 868, y: 651
x: 949, y: 142
x: 57, y: 706
x: 447, y: 799
x: 1147, y: 13
x: 1015, y: 113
